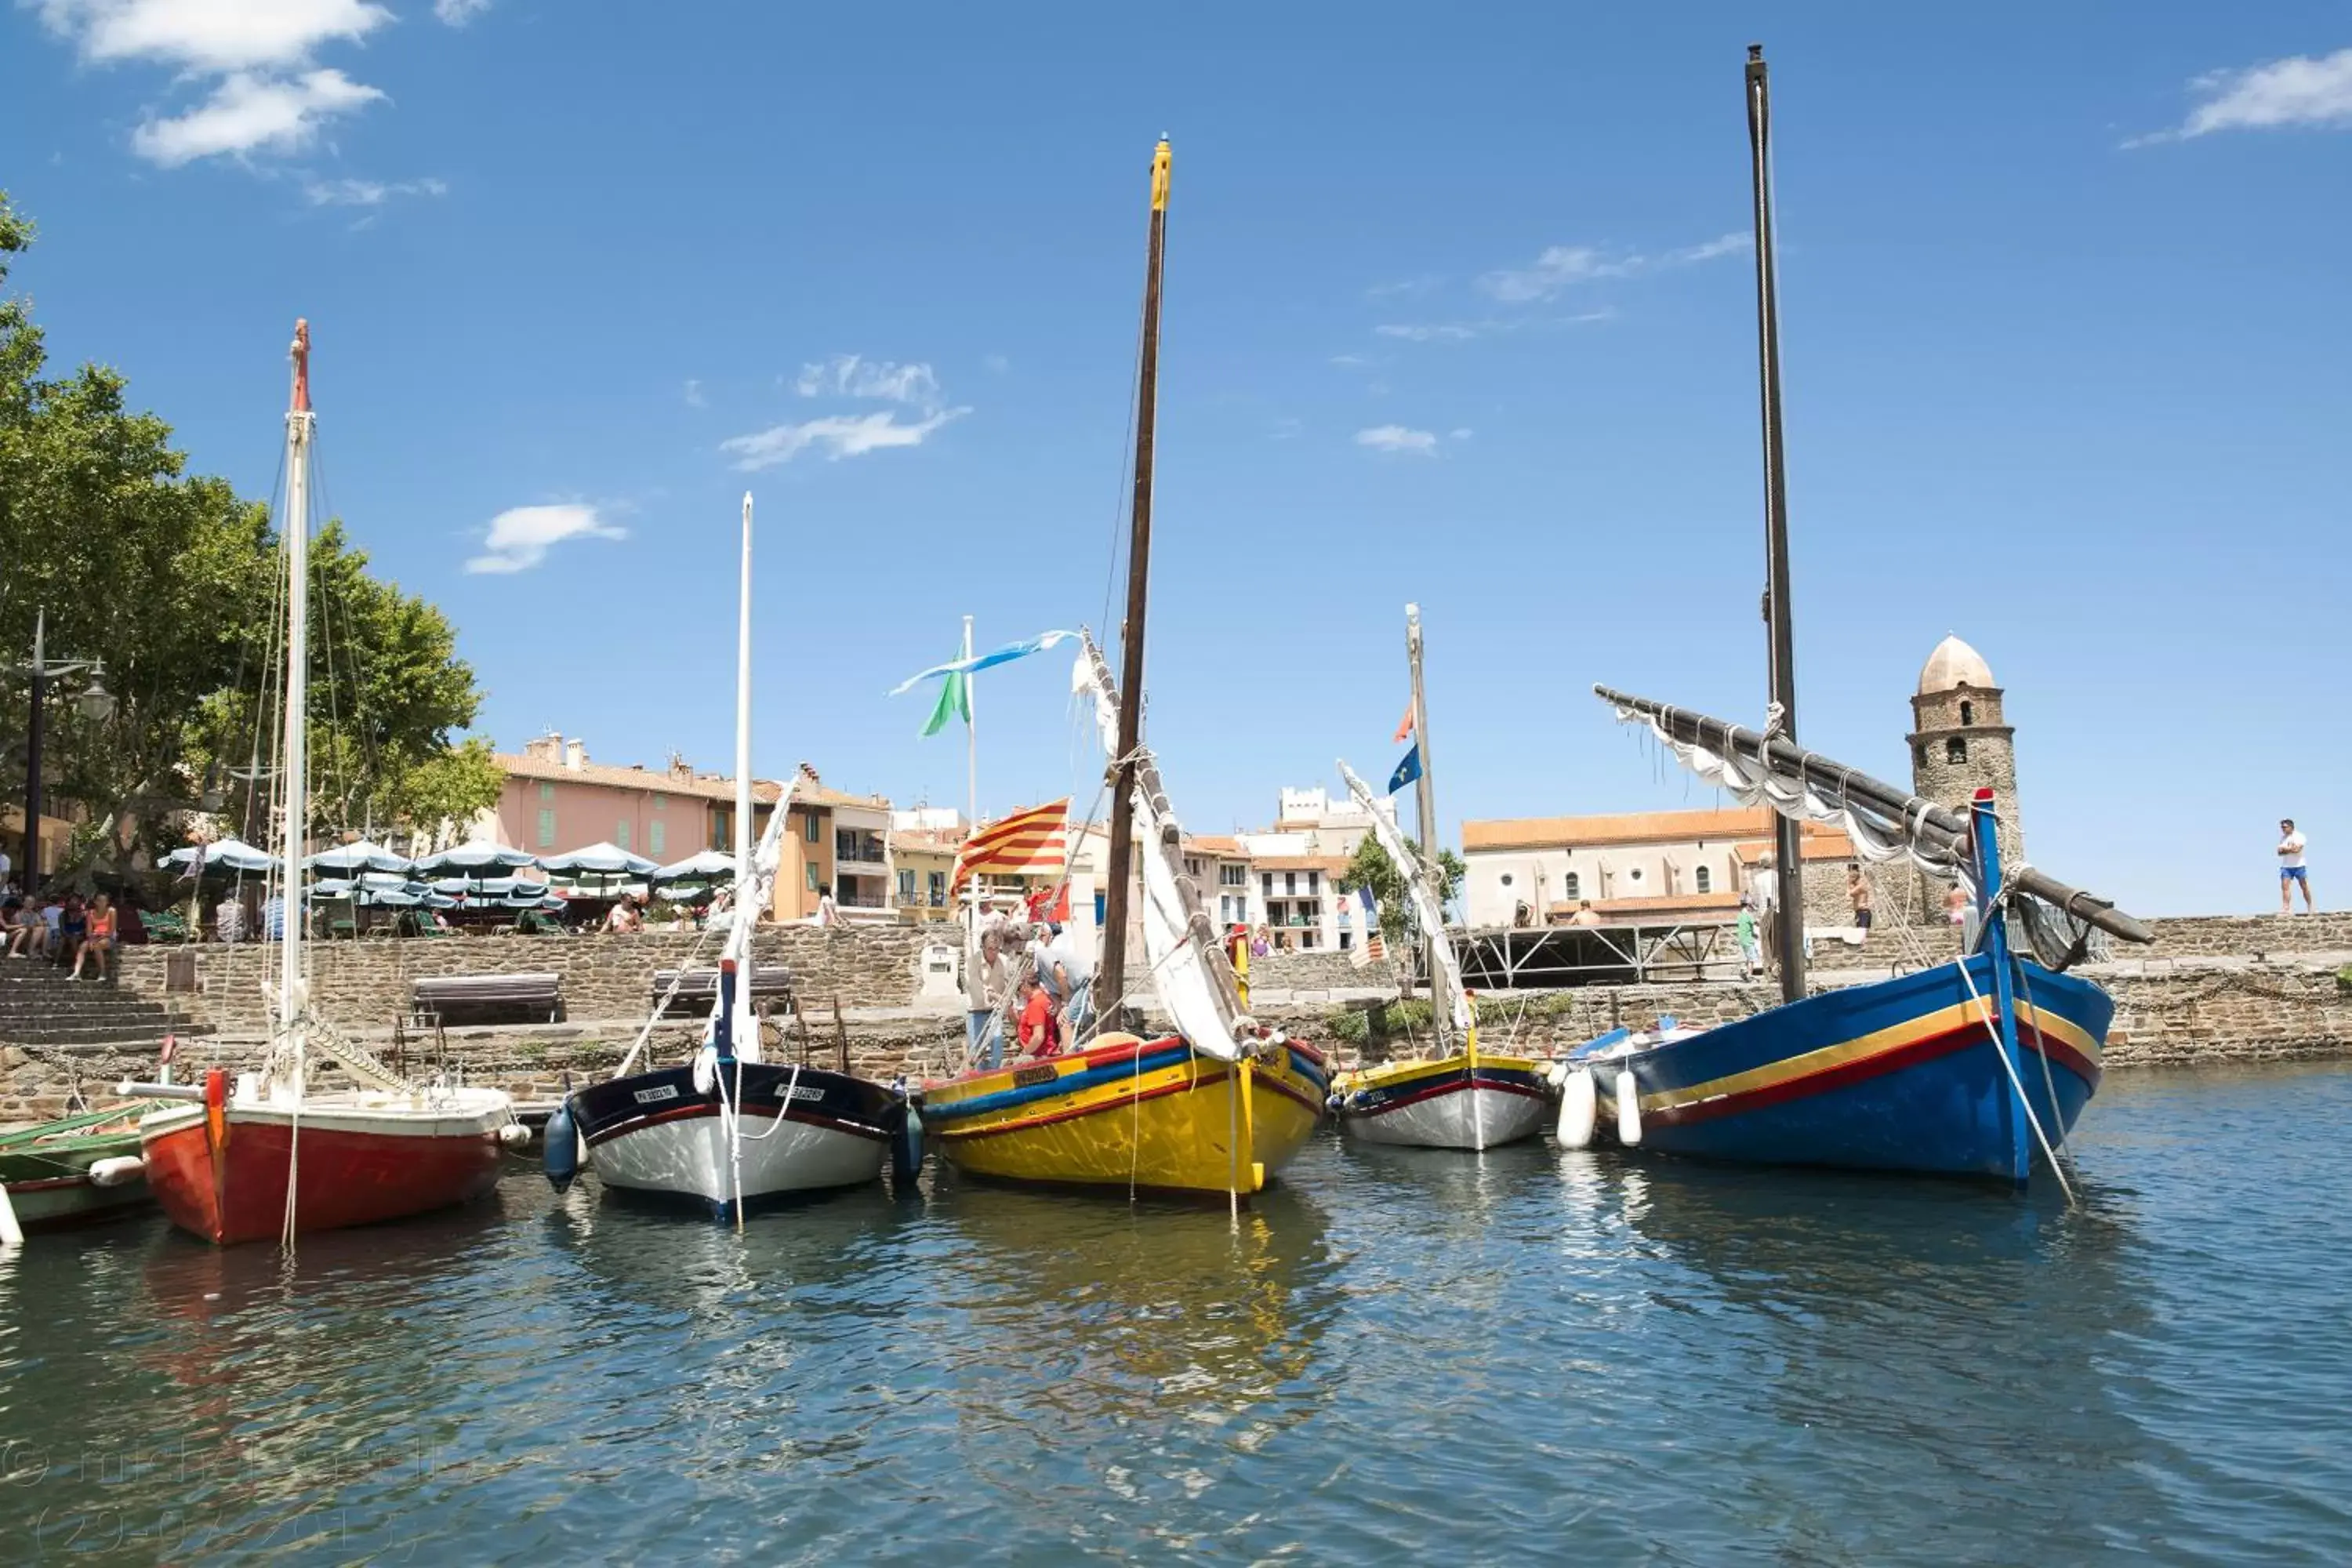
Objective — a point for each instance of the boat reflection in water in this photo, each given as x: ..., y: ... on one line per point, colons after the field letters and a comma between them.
x: 1924, y: 1342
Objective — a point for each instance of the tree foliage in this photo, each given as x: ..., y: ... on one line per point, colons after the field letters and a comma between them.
x: 1371, y: 868
x: 176, y: 583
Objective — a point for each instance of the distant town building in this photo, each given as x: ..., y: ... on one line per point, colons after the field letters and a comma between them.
x: 1294, y: 868
x: 555, y: 799
x: 922, y: 863
x: 1660, y: 866
x: 1960, y: 740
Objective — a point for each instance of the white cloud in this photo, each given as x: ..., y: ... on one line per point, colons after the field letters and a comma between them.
x: 520, y: 537
x: 248, y: 113
x: 2302, y: 89
x: 457, y: 12
x: 368, y: 193
x: 1352, y: 362
x: 1396, y: 438
x: 215, y: 36
x: 253, y: 60
x: 694, y: 398
x: 837, y: 436
x: 1463, y: 332
x: 850, y: 376
x: 1563, y: 266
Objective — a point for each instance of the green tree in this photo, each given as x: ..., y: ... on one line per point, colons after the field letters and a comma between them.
x: 174, y: 583
x: 1371, y: 868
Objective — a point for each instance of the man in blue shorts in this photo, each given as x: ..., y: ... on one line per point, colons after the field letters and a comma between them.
x: 2292, y: 874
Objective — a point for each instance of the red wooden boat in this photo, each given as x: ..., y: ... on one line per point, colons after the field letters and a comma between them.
x: 224, y: 1168
x: 273, y: 1157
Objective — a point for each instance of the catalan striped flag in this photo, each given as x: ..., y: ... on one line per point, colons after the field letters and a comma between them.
x: 1036, y: 842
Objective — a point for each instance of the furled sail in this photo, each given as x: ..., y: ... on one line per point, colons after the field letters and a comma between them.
x: 1192, y: 977
x: 1425, y: 913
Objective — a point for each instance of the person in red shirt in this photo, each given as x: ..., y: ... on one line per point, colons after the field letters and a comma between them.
x: 1040, y: 1032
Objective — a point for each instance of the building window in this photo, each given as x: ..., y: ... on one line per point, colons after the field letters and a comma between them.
x: 1290, y: 882
x: 1267, y: 878
x: 1634, y: 875
x: 546, y: 827
x: 1345, y: 941
x: 1233, y: 876
x: 938, y: 890
x: 660, y: 800
x: 1571, y: 886
x: 1506, y: 878
x: 1919, y: 756
x: 546, y: 791
x: 621, y: 833
x: 906, y: 885
x: 655, y: 835
x: 1315, y: 883
x: 1968, y: 712
x: 723, y: 828
x: 1307, y: 939
x: 1704, y: 879
x: 1956, y: 750
x: 810, y: 869
x: 809, y: 827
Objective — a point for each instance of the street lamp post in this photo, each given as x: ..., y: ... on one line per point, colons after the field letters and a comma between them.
x: 96, y: 704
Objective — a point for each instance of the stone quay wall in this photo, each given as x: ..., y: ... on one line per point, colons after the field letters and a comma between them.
x: 367, y: 984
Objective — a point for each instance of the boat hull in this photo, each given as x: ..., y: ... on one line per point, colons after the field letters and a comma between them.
x: 1133, y: 1114
x: 803, y: 1130
x: 47, y: 1172
x: 1457, y: 1103
x: 1904, y: 1075
x: 223, y: 1173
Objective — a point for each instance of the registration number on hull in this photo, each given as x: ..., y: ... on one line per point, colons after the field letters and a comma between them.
x: 655, y: 1096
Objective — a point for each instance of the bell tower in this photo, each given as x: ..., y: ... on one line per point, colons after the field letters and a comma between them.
x: 1960, y: 742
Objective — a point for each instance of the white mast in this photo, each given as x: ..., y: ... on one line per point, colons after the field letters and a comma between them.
x: 971, y: 799
x: 291, y: 990
x: 745, y: 1025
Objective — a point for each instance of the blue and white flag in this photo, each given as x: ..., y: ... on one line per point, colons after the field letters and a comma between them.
x: 1004, y: 655
x: 1406, y: 770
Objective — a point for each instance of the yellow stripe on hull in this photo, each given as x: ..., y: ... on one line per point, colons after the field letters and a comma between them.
x: 1171, y: 1129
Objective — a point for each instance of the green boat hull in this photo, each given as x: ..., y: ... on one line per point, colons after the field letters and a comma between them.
x: 46, y: 1169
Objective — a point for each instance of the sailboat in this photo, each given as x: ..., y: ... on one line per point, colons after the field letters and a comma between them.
x: 729, y: 1129
x: 271, y: 1154
x: 76, y: 1169
x: 1460, y: 1097
x: 1975, y: 1068
x: 1219, y: 1106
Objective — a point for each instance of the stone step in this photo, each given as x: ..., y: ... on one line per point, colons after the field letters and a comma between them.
x: 71, y: 1034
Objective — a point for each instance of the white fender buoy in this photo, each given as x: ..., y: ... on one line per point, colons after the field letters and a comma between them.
x: 1579, y: 1099
x: 117, y: 1171
x: 1629, y: 1109
x: 514, y: 1135
x: 11, y: 1233
x: 706, y: 1070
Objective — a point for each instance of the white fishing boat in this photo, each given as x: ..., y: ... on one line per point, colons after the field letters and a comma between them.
x: 728, y: 1128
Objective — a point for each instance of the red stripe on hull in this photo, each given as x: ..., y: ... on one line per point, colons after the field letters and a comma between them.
x: 1451, y: 1086
x: 238, y: 1192
x: 1051, y: 1117
x: 700, y: 1110
x: 1929, y: 1050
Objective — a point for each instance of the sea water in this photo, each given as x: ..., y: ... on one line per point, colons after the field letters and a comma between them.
x: 1397, y: 1356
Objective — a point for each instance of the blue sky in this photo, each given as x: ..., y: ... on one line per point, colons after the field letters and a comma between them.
x: 1457, y: 313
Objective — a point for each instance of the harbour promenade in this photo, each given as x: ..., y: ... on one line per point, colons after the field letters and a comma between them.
x: 2210, y: 990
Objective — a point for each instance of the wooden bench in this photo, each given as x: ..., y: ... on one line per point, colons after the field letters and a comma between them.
x: 436, y: 998
x: 698, y: 990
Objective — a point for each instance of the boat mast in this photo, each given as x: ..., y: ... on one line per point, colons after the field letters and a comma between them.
x: 1787, y: 849
x: 1425, y: 800
x: 291, y: 1000
x: 1111, y: 974
x: 740, y: 933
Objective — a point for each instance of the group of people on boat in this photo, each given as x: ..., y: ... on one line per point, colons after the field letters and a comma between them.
x: 1034, y: 975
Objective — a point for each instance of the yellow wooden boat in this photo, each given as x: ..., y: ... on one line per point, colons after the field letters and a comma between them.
x: 1145, y: 1115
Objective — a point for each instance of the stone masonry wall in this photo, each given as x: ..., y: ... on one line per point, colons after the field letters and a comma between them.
x: 362, y: 984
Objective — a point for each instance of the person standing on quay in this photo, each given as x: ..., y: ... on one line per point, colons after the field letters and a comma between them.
x: 2292, y: 874
x: 1857, y: 891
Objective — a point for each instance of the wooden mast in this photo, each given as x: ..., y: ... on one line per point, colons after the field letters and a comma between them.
x: 1433, y: 873
x: 293, y: 759
x: 1111, y: 974
x: 1788, y: 848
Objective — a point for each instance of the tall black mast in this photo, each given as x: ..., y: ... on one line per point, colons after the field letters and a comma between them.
x: 1110, y: 975
x: 1788, y: 852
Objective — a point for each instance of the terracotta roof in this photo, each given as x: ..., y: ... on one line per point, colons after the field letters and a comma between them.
x: 1626, y: 827
x: 1332, y: 863
x: 700, y: 786
x: 1223, y: 849
x: 925, y: 841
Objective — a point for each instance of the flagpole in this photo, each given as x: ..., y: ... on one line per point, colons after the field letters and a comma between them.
x: 971, y: 798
